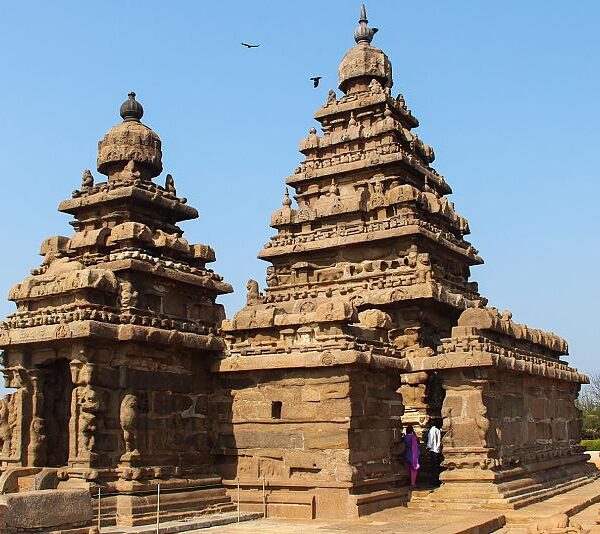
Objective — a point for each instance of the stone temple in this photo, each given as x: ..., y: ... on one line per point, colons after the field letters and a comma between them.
x: 126, y: 374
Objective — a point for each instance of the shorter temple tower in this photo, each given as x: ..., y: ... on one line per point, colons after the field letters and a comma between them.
x: 109, y: 349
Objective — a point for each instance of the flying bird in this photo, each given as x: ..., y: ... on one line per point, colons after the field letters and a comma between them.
x: 316, y: 80
x: 250, y: 45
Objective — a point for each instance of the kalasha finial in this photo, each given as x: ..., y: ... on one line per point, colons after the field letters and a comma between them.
x: 287, y: 201
x: 363, y: 33
x: 131, y: 109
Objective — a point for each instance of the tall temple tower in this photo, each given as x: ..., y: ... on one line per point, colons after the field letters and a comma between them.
x: 109, y: 348
x: 370, y: 268
x: 352, y: 338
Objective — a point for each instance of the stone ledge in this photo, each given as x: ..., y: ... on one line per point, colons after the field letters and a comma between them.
x: 306, y: 360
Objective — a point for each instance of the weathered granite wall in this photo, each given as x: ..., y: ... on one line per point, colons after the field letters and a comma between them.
x: 317, y: 437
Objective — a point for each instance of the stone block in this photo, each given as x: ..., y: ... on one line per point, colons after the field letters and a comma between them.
x: 267, y: 436
x: 47, y: 509
x: 326, y: 436
x: 375, y: 319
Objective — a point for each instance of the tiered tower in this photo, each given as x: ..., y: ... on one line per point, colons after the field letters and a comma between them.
x: 109, y: 348
x: 370, y: 268
x: 369, y: 322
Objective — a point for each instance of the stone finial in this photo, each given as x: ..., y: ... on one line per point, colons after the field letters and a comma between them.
x: 363, y: 33
x: 131, y: 109
x: 287, y: 201
x: 364, y: 62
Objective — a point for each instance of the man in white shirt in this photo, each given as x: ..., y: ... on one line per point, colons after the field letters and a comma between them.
x: 434, y: 445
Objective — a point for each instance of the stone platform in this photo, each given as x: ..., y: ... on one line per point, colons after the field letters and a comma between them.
x: 580, y: 506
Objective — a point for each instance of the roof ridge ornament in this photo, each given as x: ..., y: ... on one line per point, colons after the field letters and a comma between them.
x: 363, y: 33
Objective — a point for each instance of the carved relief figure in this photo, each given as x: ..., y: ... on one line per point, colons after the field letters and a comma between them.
x: 375, y: 86
x: 89, y: 407
x: 377, y: 199
x: 129, y: 415
x: 129, y: 296
x: 483, y: 423
x: 5, y: 427
x: 423, y: 268
x: 37, y: 443
x: 130, y: 172
x: 272, y: 278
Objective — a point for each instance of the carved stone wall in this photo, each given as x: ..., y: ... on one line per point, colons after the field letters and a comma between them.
x: 508, y: 435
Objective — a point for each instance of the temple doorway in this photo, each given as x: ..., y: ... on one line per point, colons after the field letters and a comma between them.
x: 57, y: 388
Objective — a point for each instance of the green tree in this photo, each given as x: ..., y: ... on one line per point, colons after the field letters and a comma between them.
x: 589, y: 404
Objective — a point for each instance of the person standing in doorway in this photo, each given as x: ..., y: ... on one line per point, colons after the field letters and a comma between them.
x: 411, y: 454
x: 434, y: 446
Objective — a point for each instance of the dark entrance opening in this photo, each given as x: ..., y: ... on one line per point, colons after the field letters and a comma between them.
x: 57, y: 388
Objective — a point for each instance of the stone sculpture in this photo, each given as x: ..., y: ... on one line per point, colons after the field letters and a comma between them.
x: 129, y: 424
x: 253, y: 296
x: 87, y: 181
x: 128, y: 296
x: 170, y: 185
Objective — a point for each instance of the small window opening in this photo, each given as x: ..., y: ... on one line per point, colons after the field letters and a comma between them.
x: 276, y: 410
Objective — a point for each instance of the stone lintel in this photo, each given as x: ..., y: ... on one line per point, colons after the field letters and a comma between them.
x: 437, y: 291
x: 170, y: 274
x: 366, y: 237
x: 283, y: 498
x: 352, y: 105
x: 137, y: 195
x: 476, y: 359
x: 326, y: 358
x: 368, y: 165
x: 95, y: 329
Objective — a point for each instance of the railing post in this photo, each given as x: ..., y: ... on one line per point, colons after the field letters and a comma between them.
x: 99, y: 501
x: 158, y: 508
x: 264, y: 498
x: 238, y: 498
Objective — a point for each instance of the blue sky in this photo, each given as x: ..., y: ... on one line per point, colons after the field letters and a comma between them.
x: 506, y: 93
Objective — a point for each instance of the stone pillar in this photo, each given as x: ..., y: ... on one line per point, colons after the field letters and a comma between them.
x: 85, y: 418
x: 16, y: 417
x: 466, y: 424
x: 37, y: 447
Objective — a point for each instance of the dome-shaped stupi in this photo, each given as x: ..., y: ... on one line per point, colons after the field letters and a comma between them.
x: 130, y: 141
x: 365, y: 61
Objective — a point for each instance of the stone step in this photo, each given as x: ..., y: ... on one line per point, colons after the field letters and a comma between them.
x: 185, y: 525
x: 375, y: 501
x: 517, y: 499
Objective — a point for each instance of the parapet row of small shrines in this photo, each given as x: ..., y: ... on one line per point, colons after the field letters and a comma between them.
x: 126, y: 374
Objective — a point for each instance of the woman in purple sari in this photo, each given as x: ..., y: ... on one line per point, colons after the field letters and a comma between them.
x: 411, y: 454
